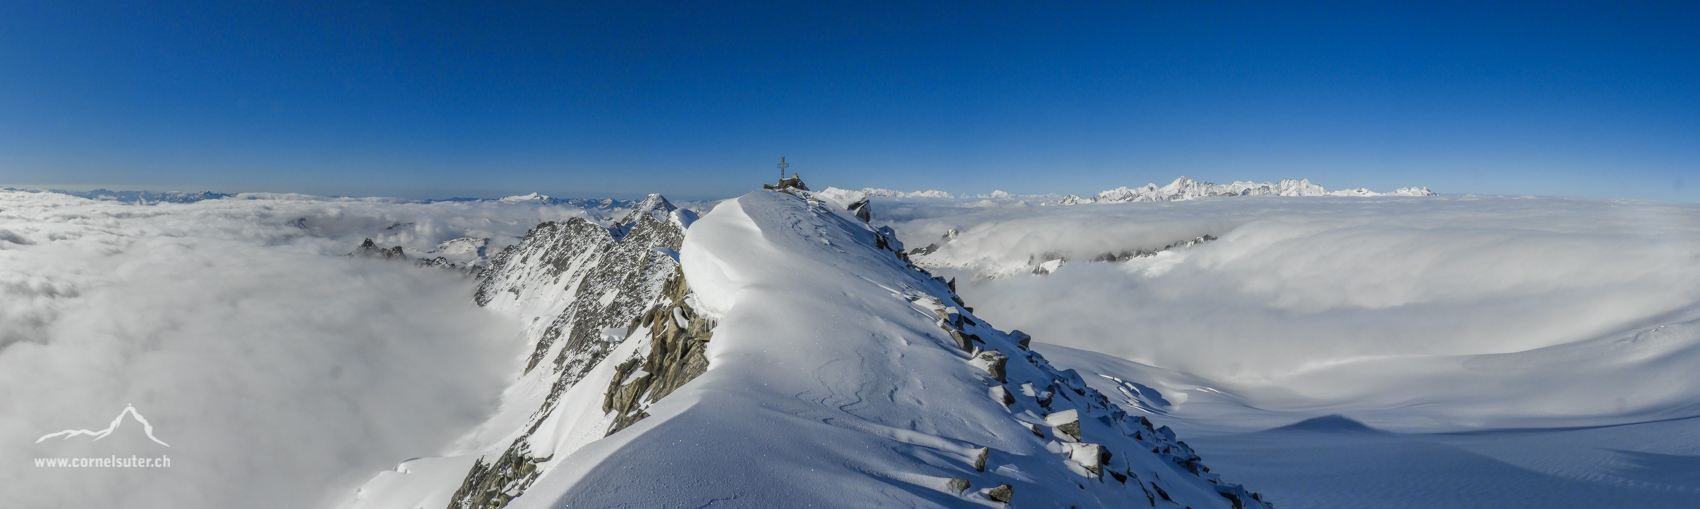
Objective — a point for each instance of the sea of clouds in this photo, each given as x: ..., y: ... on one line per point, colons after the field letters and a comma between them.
x: 1299, y: 286
x: 278, y: 370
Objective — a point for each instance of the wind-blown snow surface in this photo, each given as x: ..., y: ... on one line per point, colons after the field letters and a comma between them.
x: 275, y: 367
x: 1424, y: 316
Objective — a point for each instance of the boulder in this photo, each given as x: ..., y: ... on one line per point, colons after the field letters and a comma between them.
x: 861, y: 209
x: 1021, y: 338
x: 995, y: 362
x: 1090, y: 456
x: 1003, y: 493
x: 957, y: 485
x: 980, y: 458
x: 963, y: 341
x: 1066, y: 422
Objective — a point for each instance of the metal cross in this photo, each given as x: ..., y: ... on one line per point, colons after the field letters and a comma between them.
x: 782, y: 167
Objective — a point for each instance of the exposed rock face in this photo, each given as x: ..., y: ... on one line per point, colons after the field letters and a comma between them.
x: 572, y: 280
x: 1021, y: 338
x: 678, y: 339
x: 787, y: 183
x: 861, y: 210
x: 371, y: 249
x: 608, y: 280
x: 1142, y: 253
x: 995, y: 361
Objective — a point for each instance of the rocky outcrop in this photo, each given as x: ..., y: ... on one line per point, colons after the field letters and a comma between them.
x: 862, y: 210
x: 492, y: 485
x: 369, y: 249
x: 678, y: 339
x: 792, y: 182
x: 1146, y: 253
x: 609, y: 279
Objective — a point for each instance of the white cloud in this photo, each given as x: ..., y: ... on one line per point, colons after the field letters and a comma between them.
x: 1293, y: 284
x: 278, y: 370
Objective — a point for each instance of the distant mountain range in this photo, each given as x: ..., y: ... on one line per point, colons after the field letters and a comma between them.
x: 1180, y: 190
x: 1188, y: 189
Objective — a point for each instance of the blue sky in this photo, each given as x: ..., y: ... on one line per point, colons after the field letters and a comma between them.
x: 439, y: 99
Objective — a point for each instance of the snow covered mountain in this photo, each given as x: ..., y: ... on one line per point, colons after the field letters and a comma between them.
x: 1187, y: 189
x: 778, y: 352
x: 141, y: 197
x: 888, y: 193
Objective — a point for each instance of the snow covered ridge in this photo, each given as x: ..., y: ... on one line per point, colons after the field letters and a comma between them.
x: 792, y: 356
x: 1187, y: 189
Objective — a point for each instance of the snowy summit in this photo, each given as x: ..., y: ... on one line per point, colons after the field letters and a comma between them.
x: 791, y: 357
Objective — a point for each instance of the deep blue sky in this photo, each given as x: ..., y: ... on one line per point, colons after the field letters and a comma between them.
x: 437, y: 99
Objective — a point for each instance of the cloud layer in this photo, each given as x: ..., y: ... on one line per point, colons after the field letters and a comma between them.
x: 276, y: 368
x: 1298, y: 284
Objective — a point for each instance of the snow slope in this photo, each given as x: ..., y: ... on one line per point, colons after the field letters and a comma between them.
x: 833, y: 380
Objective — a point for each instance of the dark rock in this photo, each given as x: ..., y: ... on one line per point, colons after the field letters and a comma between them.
x: 679, y: 340
x: 490, y: 485
x: 1066, y: 422
x: 957, y: 485
x: 1002, y: 493
x: 787, y: 183
x: 1002, y: 395
x: 1090, y: 456
x: 962, y: 341
x: 995, y: 366
x: 861, y: 209
x: 980, y: 458
x: 373, y: 250
x: 1021, y: 338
